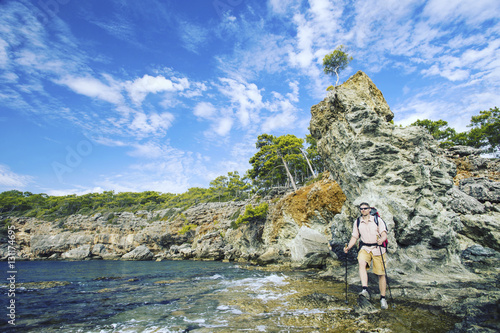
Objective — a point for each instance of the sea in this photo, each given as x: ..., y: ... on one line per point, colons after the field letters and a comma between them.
x: 136, y: 296
x: 192, y: 296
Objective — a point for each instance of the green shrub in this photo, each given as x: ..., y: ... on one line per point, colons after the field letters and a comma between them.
x: 186, y: 228
x: 252, y: 214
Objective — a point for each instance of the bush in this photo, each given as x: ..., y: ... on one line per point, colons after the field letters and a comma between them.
x: 251, y: 214
x: 186, y: 228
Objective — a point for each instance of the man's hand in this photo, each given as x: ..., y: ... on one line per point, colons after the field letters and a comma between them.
x: 346, y: 249
x: 381, y: 239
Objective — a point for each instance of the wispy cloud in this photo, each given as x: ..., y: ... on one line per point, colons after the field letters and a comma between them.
x: 93, y: 88
x: 141, y: 87
x: 10, y: 180
x: 193, y: 36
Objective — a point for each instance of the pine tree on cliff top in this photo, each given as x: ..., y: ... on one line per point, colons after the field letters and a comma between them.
x: 336, y: 61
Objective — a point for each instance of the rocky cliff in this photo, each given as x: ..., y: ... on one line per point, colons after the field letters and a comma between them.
x: 295, y: 232
x: 405, y: 175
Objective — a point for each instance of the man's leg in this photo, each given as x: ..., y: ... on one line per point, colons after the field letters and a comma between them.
x: 363, y: 274
x: 382, y: 283
x: 364, y: 260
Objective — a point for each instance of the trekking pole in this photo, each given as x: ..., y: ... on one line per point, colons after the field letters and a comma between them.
x: 346, y: 302
x: 386, y: 278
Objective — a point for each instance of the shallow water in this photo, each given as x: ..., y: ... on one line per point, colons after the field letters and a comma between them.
x: 182, y: 296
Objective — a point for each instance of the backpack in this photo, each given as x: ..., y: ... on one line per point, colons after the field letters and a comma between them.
x: 376, y: 215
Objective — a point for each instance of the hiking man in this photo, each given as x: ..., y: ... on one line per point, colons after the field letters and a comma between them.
x: 372, y: 237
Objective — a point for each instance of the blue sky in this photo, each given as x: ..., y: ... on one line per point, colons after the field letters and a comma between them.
x: 168, y: 95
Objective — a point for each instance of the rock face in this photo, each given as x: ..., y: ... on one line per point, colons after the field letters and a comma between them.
x: 403, y: 173
x: 441, y: 208
x: 295, y: 232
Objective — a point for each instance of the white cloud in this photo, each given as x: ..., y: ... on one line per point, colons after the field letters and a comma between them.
x: 204, y: 110
x: 147, y: 150
x: 141, y: 87
x: 472, y: 12
x: 192, y: 36
x: 144, y: 124
x: 92, y: 87
x: 4, y: 57
x: 283, y: 6
x: 10, y: 180
x: 245, y: 98
x: 223, y: 126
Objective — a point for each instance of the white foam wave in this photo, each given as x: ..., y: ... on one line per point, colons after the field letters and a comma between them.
x: 228, y: 309
x: 262, y: 288
x: 212, y: 277
x: 255, y: 283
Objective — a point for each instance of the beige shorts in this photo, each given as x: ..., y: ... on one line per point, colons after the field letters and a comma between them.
x: 378, y: 265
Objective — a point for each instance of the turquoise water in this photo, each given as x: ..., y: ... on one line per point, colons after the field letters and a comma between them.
x: 126, y: 296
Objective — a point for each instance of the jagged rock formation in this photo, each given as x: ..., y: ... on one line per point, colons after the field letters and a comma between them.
x: 405, y: 175
x: 443, y: 225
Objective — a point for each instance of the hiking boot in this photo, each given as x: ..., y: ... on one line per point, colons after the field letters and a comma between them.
x: 383, y: 303
x: 365, y: 294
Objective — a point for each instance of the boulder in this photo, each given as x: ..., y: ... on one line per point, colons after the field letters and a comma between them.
x: 101, y: 251
x: 271, y: 256
x: 309, y: 248
x: 139, y: 253
x: 80, y: 253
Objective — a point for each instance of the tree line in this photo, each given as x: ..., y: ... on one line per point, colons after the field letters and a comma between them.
x: 484, y: 132
x: 275, y: 155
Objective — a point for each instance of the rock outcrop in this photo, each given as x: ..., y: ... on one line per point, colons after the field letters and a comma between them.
x: 443, y: 224
x: 405, y: 175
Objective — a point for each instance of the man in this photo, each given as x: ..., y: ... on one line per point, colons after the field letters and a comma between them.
x: 372, y: 236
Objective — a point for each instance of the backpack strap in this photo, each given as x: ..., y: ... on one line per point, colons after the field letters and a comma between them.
x: 361, y: 244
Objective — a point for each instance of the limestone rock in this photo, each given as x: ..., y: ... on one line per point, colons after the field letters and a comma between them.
x: 484, y: 229
x: 401, y: 171
x: 482, y: 189
x: 139, y: 253
x: 462, y: 151
x: 46, y: 245
x: 100, y: 251
x: 309, y: 248
x: 463, y: 203
x: 80, y: 253
x: 272, y: 255
x: 183, y: 251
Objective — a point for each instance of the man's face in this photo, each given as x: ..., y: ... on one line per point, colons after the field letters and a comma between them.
x: 365, y: 210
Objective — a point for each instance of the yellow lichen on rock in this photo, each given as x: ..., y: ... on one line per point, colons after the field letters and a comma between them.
x: 321, y: 197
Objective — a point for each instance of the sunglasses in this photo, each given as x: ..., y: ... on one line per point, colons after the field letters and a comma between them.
x: 365, y: 208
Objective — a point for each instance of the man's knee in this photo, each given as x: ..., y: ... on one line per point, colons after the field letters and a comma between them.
x: 363, y: 264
